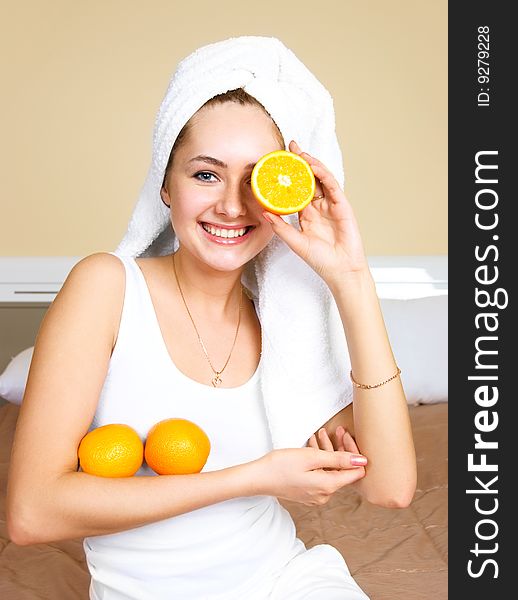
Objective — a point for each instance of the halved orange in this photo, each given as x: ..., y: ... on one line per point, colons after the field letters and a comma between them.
x: 283, y: 182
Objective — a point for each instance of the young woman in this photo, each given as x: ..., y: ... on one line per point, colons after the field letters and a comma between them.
x: 136, y: 340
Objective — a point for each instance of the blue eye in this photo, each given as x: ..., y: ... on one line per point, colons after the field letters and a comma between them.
x: 204, y: 176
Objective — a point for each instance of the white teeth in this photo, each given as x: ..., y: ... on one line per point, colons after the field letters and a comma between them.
x: 224, y: 233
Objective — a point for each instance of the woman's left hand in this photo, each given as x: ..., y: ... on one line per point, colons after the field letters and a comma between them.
x: 342, y: 441
x: 329, y: 240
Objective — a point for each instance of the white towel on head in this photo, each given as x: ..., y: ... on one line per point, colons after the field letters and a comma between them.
x: 305, y: 360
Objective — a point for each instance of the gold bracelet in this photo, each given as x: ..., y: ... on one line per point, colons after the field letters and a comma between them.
x: 364, y: 386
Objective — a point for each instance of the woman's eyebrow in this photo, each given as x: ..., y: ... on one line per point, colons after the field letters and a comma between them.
x: 214, y: 161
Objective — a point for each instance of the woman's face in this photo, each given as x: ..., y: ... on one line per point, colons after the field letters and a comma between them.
x: 209, y: 184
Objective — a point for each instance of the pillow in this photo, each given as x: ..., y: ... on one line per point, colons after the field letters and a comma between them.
x: 418, y: 333
x: 14, y: 378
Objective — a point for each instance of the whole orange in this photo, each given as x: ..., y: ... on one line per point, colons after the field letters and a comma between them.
x: 176, y: 447
x: 113, y: 450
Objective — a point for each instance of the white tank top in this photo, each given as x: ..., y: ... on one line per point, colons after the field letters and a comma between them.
x: 219, y: 551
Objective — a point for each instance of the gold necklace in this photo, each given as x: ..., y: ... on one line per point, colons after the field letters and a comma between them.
x: 216, y: 379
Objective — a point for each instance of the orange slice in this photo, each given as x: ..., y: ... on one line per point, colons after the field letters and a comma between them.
x: 283, y: 182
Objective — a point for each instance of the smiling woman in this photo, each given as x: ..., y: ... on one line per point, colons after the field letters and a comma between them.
x: 210, y: 312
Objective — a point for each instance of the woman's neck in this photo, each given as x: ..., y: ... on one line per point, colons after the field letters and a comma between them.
x: 207, y: 291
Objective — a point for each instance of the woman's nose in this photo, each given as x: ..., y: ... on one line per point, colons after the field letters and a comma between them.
x: 233, y: 202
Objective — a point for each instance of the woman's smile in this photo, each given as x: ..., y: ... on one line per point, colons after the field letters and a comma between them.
x: 225, y: 235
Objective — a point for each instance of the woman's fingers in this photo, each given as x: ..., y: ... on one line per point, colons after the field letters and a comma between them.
x: 346, y: 476
x: 345, y: 456
x: 331, y: 190
x: 323, y: 459
x: 349, y: 443
x: 312, y: 442
x: 322, y: 173
x: 296, y: 149
x: 294, y: 238
x: 325, y: 442
x: 339, y: 434
x: 321, y: 440
x: 344, y: 441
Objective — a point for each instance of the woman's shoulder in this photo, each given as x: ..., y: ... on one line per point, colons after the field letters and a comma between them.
x: 103, y: 266
x: 96, y: 268
x: 96, y: 282
x: 88, y: 305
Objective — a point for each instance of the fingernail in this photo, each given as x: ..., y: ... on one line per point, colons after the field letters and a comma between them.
x: 358, y: 460
x: 268, y: 218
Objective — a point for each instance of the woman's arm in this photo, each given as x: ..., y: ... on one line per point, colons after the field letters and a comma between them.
x: 48, y: 500
x: 380, y: 416
x: 329, y: 241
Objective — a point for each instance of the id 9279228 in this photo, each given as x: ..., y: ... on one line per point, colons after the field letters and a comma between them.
x: 483, y: 65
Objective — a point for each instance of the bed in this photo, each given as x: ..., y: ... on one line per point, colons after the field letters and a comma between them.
x: 394, y: 554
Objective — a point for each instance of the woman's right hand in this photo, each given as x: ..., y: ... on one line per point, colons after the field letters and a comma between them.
x: 306, y: 475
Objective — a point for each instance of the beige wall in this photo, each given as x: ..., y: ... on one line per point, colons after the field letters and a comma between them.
x: 82, y: 82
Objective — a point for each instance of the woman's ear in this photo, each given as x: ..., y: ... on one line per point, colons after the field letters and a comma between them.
x: 164, y: 194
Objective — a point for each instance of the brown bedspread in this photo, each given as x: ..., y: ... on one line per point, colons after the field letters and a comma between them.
x: 394, y: 554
